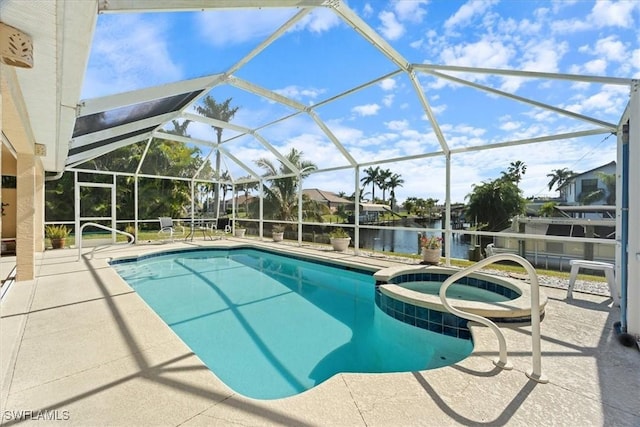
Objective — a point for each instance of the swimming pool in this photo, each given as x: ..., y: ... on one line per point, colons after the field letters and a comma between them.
x: 271, y: 326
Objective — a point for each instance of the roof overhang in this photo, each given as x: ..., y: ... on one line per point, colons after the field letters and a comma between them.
x: 61, y: 32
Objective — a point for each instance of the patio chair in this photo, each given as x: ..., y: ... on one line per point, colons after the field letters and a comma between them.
x: 167, y: 227
x: 490, y: 250
x: 220, y: 233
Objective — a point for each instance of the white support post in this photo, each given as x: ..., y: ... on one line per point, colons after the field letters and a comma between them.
x: 633, y: 242
x: 193, y: 200
x: 76, y: 207
x: 447, y: 214
x: 300, y: 208
x: 135, y: 204
x: 356, y: 211
x: 114, y: 222
x: 262, y: 206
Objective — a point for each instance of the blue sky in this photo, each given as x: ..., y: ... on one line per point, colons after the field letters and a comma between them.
x: 321, y: 56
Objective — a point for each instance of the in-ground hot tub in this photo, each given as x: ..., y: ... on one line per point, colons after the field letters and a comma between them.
x: 411, y: 295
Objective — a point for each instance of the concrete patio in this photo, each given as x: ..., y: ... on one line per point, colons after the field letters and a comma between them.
x: 79, y: 345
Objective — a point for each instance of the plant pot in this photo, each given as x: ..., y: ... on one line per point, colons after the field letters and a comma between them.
x: 58, y: 243
x: 340, y: 244
x: 474, y: 253
x: 431, y: 256
x: 240, y: 232
x: 277, y: 237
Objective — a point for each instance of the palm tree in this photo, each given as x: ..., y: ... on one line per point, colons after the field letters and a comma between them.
x: 559, y: 177
x: 609, y: 180
x: 179, y: 128
x: 410, y: 204
x: 515, y: 171
x: 371, y: 177
x: 393, y: 182
x: 382, y: 182
x: 247, y: 187
x: 494, y: 203
x: 225, y: 187
x: 281, y: 199
x: 431, y: 203
x: 222, y: 112
x: 547, y: 209
x: 313, y: 210
x: 421, y: 206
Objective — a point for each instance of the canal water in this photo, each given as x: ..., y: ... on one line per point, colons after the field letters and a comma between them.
x: 406, y: 241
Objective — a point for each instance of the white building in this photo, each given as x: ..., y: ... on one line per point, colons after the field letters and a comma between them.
x: 577, y: 189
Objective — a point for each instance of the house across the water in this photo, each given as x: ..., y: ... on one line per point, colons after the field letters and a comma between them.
x: 572, y: 218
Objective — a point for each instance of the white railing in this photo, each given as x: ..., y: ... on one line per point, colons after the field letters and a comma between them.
x: 104, y: 227
x: 536, y: 373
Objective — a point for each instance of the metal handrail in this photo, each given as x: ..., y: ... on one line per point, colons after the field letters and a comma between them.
x: 536, y: 373
x: 104, y: 227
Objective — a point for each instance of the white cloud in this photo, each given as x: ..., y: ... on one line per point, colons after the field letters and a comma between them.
x: 367, y: 10
x: 232, y: 27
x: 388, y: 84
x: 387, y: 101
x: 397, y: 125
x: 410, y: 10
x: 438, y: 109
x: 511, y: 84
x: 129, y: 53
x: 570, y: 26
x: 366, y: 110
x: 486, y: 53
x: 609, y: 100
x: 611, y: 48
x: 417, y: 44
x: 529, y: 28
x: 467, y: 12
x: 604, y: 14
x: 316, y: 148
x: 543, y: 55
x: 606, y: 49
x: 510, y: 126
x: 597, y: 66
x: 542, y: 115
x: 537, y: 55
x: 469, y: 130
x: 561, y: 4
x: 390, y: 28
x: 300, y: 93
x: 318, y: 21
x: 613, y: 14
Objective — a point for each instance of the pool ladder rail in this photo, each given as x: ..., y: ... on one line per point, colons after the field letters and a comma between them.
x: 131, y: 237
x: 502, y: 362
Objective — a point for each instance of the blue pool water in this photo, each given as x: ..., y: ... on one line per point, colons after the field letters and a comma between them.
x: 271, y: 326
x: 456, y: 290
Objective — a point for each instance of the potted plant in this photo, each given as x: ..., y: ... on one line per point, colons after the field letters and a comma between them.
x: 431, y: 249
x: 57, y: 234
x: 339, y: 239
x: 277, y: 232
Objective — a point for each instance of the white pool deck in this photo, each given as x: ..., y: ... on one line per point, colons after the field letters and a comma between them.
x: 79, y: 343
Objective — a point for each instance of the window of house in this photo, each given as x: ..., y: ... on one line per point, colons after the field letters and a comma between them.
x: 589, y: 185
